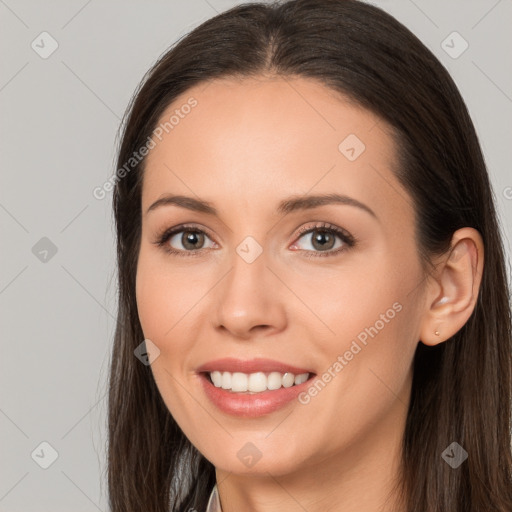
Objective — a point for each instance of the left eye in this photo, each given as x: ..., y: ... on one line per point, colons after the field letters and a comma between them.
x: 190, y: 240
x: 324, y: 240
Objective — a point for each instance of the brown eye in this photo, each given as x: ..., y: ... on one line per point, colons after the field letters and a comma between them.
x: 192, y: 240
x: 184, y: 240
x: 323, y: 239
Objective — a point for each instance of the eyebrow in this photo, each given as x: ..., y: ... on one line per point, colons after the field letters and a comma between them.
x: 288, y: 205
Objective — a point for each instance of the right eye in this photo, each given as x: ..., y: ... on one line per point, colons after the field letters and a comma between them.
x: 190, y: 238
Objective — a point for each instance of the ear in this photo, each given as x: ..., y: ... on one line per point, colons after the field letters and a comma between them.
x: 452, y: 294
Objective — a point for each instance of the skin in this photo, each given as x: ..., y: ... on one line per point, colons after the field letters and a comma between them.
x: 246, y: 146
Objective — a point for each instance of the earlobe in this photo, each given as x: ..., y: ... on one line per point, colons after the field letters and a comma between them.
x: 453, y: 293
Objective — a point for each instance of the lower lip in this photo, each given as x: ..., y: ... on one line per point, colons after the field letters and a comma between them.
x: 251, y: 405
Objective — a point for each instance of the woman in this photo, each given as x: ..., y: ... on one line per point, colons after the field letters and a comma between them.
x: 303, y: 212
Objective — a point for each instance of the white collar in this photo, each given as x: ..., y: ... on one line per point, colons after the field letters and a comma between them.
x: 214, y: 502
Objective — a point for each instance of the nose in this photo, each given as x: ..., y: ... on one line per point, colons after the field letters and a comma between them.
x: 250, y: 299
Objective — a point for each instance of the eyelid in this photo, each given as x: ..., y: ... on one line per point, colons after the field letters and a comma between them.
x: 326, y: 226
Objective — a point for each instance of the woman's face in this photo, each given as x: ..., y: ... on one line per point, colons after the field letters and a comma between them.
x: 259, y: 287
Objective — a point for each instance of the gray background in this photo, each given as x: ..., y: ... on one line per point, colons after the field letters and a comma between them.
x: 59, y: 118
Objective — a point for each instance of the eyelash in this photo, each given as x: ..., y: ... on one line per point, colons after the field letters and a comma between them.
x: 348, y: 240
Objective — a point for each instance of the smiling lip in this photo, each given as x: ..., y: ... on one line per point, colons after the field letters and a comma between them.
x: 245, y: 404
x: 230, y: 364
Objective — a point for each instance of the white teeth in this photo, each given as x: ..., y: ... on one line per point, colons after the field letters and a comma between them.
x: 256, y: 382
x: 216, y: 379
x: 303, y: 377
x: 226, y: 380
x: 274, y: 380
x: 288, y: 380
x: 239, y: 382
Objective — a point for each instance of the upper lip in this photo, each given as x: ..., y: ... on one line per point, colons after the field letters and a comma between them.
x: 230, y: 364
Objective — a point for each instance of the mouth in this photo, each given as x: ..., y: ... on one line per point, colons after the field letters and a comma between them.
x: 252, y: 388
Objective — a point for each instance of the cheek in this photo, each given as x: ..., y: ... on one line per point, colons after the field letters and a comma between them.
x: 152, y: 294
x: 163, y: 300
x: 351, y: 297
x: 373, y: 318
x: 165, y: 295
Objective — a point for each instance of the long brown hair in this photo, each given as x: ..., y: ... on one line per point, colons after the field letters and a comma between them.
x: 461, y: 389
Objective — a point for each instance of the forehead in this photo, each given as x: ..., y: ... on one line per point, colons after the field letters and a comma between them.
x: 252, y: 141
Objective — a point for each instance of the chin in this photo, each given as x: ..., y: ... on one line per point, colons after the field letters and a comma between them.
x: 245, y: 457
